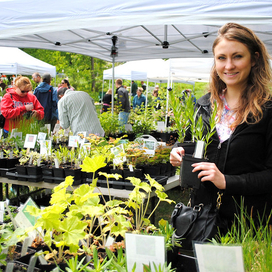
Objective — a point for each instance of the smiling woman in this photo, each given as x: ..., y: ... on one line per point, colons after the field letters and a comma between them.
x: 18, y: 101
x: 240, y: 153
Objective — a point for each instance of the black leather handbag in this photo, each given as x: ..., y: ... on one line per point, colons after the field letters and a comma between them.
x: 198, y: 223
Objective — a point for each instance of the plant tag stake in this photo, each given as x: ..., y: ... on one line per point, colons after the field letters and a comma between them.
x: 56, y: 163
x: 199, y: 149
x: 2, y: 211
x: 27, y: 242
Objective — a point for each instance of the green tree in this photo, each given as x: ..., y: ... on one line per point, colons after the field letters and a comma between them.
x: 85, y: 73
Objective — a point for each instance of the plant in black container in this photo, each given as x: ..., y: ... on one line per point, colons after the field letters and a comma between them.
x: 34, y: 166
x: 21, y: 167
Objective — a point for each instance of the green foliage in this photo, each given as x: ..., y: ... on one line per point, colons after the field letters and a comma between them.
x: 182, y: 113
x: 109, y: 123
x: 142, y: 121
x: 255, y: 237
x: 159, y: 268
x: 84, y: 73
x: 139, y: 200
x: 75, y: 266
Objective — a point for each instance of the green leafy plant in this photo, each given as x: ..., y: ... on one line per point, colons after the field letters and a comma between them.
x: 139, y: 200
x: 159, y: 268
x: 109, y: 122
x: 182, y: 113
x: 76, y: 266
x: 255, y: 237
x: 142, y: 121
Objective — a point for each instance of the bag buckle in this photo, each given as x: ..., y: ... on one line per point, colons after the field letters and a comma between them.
x: 197, y: 208
x: 178, y: 206
x: 219, y: 200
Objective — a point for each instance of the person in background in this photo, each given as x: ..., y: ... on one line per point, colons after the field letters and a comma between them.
x: 106, y: 101
x: 143, y: 85
x: 240, y: 153
x: 188, y: 93
x: 18, y: 103
x: 77, y: 110
x: 139, y: 100
x: 122, y: 101
x: 66, y: 84
x: 134, y: 88
x: 47, y: 96
x: 157, y: 99
x: 36, y: 77
x: 2, y: 84
x: 61, y: 93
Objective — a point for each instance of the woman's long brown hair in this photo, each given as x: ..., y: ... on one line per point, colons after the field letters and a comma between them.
x: 257, y: 91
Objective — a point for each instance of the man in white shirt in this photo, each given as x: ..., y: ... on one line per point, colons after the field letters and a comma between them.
x: 77, y: 110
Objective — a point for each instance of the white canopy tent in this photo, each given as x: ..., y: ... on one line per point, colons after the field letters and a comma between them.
x: 14, y: 61
x: 145, y: 29
x: 117, y: 30
x: 126, y: 71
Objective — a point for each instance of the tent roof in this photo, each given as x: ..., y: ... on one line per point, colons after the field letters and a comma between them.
x: 126, y: 71
x: 15, y: 61
x: 143, y: 27
x: 157, y: 70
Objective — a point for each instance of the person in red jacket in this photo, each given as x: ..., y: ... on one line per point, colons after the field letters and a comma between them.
x: 19, y: 102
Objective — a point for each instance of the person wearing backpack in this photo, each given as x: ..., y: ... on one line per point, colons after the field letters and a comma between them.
x: 45, y: 94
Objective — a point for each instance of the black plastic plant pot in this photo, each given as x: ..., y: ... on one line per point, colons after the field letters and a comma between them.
x: 12, y: 162
x: 76, y: 173
x: 21, y: 170
x: 188, y: 178
x: 137, y: 173
x: 3, y: 163
x: 34, y: 170
x: 152, y: 170
x: 47, y: 174
x: 116, y: 171
x: 58, y: 172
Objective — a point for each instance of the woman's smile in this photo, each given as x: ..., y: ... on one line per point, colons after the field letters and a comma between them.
x: 233, y: 63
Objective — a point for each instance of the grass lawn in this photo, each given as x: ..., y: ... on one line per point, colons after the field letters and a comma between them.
x: 165, y: 210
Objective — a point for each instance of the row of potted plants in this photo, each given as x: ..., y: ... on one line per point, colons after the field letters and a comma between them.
x: 64, y: 161
x: 78, y: 223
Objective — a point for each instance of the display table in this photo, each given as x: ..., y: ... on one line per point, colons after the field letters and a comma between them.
x: 172, y: 182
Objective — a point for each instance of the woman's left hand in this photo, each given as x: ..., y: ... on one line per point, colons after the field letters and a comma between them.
x: 210, y: 172
x: 34, y: 114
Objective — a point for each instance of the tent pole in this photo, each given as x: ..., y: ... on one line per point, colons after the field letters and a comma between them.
x: 112, y: 94
x: 102, y: 94
x: 167, y: 93
x: 146, y: 94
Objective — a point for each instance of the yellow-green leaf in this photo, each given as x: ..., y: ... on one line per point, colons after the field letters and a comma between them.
x: 93, y: 164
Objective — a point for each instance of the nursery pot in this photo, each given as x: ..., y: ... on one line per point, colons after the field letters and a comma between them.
x: 34, y: 170
x: 152, y: 170
x: 47, y: 173
x: 189, y: 179
x: 76, y: 173
x: 58, y: 172
x: 21, y: 170
x: 3, y: 163
x: 105, y: 169
x: 12, y: 162
x: 116, y: 171
x: 137, y: 173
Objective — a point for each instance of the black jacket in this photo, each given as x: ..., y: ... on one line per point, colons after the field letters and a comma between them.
x: 122, y: 99
x: 246, y: 161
